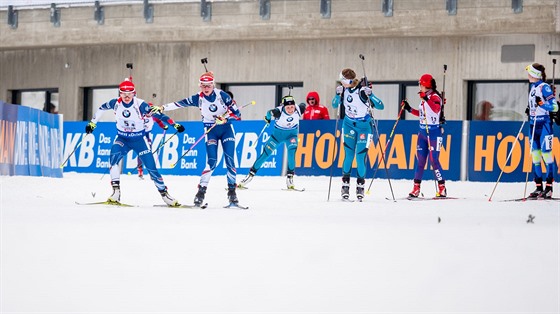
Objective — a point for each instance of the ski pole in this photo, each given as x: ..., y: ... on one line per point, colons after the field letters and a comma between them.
x: 507, y: 159
x: 430, y: 150
x: 164, y: 142
x: 340, y: 105
x: 262, y: 131
x: 376, y: 129
x: 73, y: 151
x: 530, y: 148
x: 202, y: 136
x: 160, y: 141
x: 387, y: 145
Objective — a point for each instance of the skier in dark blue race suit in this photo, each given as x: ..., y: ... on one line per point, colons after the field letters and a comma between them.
x: 129, y: 114
x: 217, y: 109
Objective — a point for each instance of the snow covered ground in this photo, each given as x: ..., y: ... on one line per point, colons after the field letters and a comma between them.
x: 291, y: 252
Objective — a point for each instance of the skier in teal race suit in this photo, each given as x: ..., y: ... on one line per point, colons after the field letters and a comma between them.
x: 357, y: 127
x: 286, y: 129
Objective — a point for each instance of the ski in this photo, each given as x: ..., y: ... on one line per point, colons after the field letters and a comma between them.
x: 240, y: 187
x: 203, y: 206
x: 234, y: 205
x: 294, y: 189
x: 347, y: 200
x: 107, y: 203
x: 531, y: 199
x: 435, y: 198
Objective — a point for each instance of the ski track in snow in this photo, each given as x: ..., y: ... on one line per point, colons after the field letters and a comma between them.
x: 289, y: 252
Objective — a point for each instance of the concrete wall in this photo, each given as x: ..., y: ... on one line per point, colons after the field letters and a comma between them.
x: 296, y: 44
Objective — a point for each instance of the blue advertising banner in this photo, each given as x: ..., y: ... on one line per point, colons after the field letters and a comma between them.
x: 93, y: 154
x: 30, y: 141
x: 317, y: 143
x: 490, y: 144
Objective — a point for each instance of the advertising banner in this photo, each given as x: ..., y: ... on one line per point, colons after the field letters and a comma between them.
x: 30, y: 142
x: 318, y: 144
x: 487, y: 148
x: 490, y: 144
x: 178, y: 154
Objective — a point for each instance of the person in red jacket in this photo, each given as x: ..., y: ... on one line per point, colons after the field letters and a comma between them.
x: 314, y: 109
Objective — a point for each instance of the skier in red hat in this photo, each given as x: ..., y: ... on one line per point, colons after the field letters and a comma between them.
x: 430, y: 137
x: 129, y: 114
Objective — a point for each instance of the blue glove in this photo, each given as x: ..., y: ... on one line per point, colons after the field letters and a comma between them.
x: 90, y: 127
x: 179, y: 127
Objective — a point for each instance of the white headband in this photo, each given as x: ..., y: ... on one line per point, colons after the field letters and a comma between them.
x: 533, y: 72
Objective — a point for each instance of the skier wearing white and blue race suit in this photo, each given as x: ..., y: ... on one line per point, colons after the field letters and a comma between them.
x: 541, y: 103
x: 130, y: 112
x: 286, y: 130
x: 217, y: 109
x: 357, y: 127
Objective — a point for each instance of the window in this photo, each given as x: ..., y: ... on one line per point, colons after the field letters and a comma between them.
x: 95, y: 97
x: 497, y: 100
x: 42, y: 99
x: 266, y: 95
x: 392, y: 93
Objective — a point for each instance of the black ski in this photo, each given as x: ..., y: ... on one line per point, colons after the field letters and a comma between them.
x: 235, y: 205
x: 531, y: 199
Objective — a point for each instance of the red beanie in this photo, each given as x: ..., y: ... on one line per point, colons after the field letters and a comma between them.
x: 426, y: 80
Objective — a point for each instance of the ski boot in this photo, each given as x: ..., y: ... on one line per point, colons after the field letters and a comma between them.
x: 547, y: 193
x: 232, y: 196
x: 199, y: 197
x: 345, y: 191
x: 168, y: 199
x: 140, y: 172
x: 290, y: 180
x: 539, y: 190
x: 116, y: 196
x: 248, y: 178
x: 360, y: 188
x: 415, y: 189
x: 442, y: 191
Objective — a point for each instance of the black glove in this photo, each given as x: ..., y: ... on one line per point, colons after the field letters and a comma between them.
x: 406, y: 106
x: 179, y: 127
x: 527, y: 111
x: 539, y: 101
x: 90, y: 127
